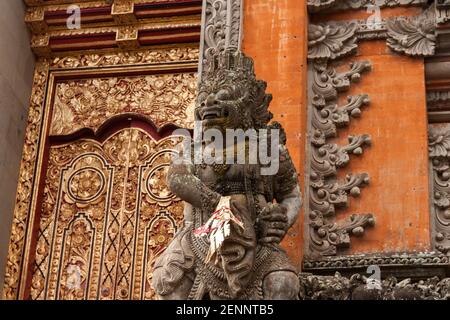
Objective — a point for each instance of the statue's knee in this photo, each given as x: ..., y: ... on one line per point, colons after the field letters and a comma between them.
x: 176, y: 291
x: 281, y: 285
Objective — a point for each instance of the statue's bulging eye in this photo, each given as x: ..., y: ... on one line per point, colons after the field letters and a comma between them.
x: 201, y: 99
x: 223, y: 95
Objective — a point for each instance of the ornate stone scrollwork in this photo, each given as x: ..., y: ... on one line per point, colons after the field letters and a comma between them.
x: 326, y: 192
x: 332, y: 40
x: 221, y: 27
x: 318, y: 5
x: 339, y: 5
x: 414, y: 36
x: 362, y: 261
x: 360, y: 287
x: 439, y: 152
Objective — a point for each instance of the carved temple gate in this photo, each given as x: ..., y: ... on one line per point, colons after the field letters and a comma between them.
x: 93, y: 185
x: 103, y: 210
x: 93, y: 210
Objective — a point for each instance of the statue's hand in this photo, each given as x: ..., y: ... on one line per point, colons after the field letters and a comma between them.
x: 272, y: 223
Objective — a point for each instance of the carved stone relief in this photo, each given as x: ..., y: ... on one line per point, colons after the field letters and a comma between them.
x: 359, y: 287
x: 438, y: 100
x: 340, y: 5
x: 326, y: 193
x: 413, y: 36
x: 362, y: 261
x: 439, y: 152
x: 442, y: 11
x: 221, y: 27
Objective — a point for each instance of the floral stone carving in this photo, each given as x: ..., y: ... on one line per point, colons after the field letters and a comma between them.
x: 326, y: 193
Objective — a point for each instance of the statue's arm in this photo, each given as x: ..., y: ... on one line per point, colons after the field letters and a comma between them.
x: 287, y: 189
x: 276, y: 219
x: 185, y: 185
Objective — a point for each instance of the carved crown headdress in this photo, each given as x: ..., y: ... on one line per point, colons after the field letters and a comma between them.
x: 233, y: 67
x: 230, y: 60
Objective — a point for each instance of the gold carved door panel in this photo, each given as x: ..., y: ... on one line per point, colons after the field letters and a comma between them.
x: 93, y: 210
x: 106, y: 215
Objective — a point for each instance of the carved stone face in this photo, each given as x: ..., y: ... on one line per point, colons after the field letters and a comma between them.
x: 223, y: 108
x: 230, y: 96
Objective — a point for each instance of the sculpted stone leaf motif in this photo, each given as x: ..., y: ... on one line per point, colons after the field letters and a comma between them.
x: 413, y: 36
x: 326, y: 193
x: 331, y: 40
x: 439, y: 145
x: 331, y: 236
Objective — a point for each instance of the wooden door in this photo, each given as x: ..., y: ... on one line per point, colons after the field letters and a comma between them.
x: 106, y: 215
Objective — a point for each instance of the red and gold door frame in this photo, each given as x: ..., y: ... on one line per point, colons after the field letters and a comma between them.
x: 92, y: 209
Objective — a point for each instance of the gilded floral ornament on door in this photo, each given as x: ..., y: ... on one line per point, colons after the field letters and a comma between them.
x: 88, y: 103
x: 107, y: 214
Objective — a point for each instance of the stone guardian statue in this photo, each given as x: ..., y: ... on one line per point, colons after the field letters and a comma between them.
x: 235, y: 216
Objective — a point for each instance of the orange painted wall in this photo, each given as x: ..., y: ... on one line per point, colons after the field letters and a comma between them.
x: 275, y: 36
x: 397, y: 161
